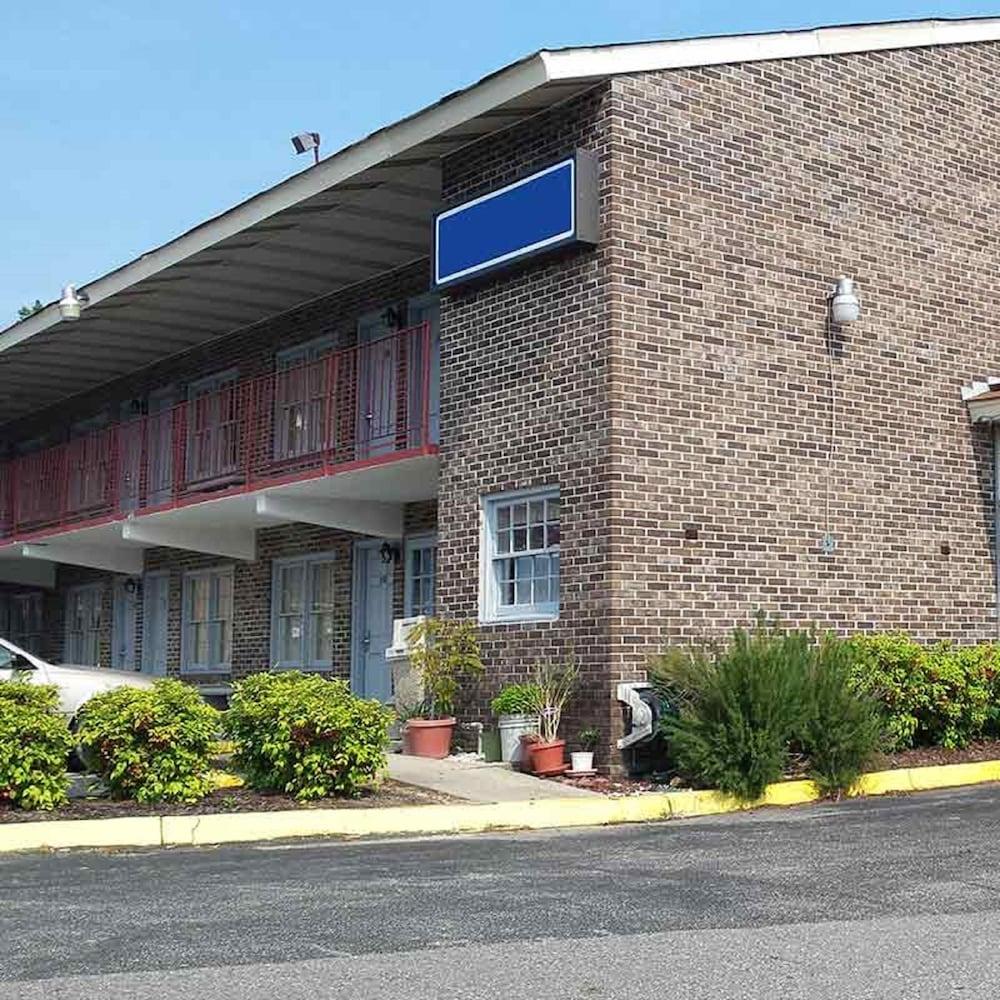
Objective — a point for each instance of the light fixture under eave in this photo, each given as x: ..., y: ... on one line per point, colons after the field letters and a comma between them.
x: 845, y: 306
x: 72, y: 302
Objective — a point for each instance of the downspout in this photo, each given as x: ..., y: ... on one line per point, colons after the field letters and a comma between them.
x: 996, y: 523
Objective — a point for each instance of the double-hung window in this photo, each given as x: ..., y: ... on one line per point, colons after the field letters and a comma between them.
x: 213, y: 427
x: 302, y: 396
x: 207, y: 620
x: 520, y: 556
x: 421, y: 561
x: 302, y: 612
x: 83, y: 624
x: 21, y: 620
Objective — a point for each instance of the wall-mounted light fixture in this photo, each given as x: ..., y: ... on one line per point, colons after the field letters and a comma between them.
x: 388, y: 553
x: 71, y: 302
x: 305, y: 141
x: 845, y: 306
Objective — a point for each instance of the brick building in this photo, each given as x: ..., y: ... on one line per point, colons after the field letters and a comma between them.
x: 262, y: 442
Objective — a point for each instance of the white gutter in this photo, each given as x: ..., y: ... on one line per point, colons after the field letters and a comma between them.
x: 609, y: 60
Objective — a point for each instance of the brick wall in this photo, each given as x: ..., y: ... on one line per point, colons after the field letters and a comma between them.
x: 525, y: 403
x: 741, y: 192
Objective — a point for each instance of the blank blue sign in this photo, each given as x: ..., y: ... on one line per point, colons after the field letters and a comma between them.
x: 505, y: 225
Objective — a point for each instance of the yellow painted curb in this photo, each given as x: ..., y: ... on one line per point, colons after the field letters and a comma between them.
x: 534, y: 814
x: 124, y: 831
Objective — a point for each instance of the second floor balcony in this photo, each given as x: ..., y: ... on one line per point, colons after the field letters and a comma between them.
x: 366, y: 405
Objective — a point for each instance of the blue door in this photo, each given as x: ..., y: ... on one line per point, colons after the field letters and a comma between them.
x: 155, y: 611
x: 371, y: 622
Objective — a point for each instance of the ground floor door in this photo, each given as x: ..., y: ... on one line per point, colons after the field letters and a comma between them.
x: 155, y: 609
x: 371, y: 622
x: 124, y: 616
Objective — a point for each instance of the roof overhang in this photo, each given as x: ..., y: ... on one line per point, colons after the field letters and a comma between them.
x: 983, y: 401
x: 361, y: 212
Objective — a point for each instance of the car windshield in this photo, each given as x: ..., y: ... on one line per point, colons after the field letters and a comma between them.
x: 11, y: 657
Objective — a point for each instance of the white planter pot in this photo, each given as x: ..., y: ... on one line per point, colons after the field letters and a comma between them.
x: 583, y: 760
x: 512, y: 728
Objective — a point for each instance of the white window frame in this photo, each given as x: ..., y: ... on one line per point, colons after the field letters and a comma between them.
x: 491, y: 611
x: 307, y: 562
x: 96, y: 592
x: 188, y: 666
x: 414, y: 543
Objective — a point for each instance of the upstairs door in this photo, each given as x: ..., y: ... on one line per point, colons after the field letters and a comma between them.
x: 130, y: 455
x: 371, y: 622
x: 160, y: 445
x: 124, y: 616
x: 421, y: 381
x: 378, y: 364
x: 155, y: 614
x: 88, y: 464
x: 213, y: 430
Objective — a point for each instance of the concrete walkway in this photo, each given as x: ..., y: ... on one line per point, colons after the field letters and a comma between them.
x: 477, y: 781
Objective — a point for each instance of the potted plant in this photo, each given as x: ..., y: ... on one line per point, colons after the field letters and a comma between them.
x: 554, y: 685
x: 442, y: 652
x: 514, y: 708
x: 583, y: 760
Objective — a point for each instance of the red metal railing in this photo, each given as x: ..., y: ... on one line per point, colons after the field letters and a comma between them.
x: 367, y: 404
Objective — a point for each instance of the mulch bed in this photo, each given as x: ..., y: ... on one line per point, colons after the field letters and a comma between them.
x: 926, y: 756
x: 919, y: 757
x: 235, y: 800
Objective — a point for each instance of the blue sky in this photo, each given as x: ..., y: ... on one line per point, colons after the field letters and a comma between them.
x: 122, y: 124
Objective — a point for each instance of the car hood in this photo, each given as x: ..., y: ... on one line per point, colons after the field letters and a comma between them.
x: 99, y: 678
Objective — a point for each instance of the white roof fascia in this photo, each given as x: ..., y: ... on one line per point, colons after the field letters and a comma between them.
x: 490, y: 93
x: 638, y: 57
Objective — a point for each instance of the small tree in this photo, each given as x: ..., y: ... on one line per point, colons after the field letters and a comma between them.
x: 25, y: 311
x: 443, y: 652
x: 554, y: 684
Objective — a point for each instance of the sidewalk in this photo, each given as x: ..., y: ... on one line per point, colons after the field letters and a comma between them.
x: 477, y: 781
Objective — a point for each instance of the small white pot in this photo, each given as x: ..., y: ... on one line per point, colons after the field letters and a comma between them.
x: 583, y: 760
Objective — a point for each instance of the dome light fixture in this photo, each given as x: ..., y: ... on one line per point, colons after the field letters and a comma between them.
x: 845, y: 306
x: 72, y: 302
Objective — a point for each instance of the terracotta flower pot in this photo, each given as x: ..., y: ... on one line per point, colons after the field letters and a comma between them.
x: 548, y: 758
x: 524, y: 761
x: 428, y: 737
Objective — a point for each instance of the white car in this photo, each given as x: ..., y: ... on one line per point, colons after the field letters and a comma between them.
x: 75, y: 684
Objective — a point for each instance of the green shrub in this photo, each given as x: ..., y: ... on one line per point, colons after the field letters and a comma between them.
x: 150, y: 744
x: 515, y: 699
x: 35, y: 742
x: 742, y: 706
x: 738, y: 707
x: 940, y: 695
x: 840, y: 728
x: 306, y: 735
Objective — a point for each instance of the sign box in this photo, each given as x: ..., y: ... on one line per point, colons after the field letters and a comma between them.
x: 550, y: 209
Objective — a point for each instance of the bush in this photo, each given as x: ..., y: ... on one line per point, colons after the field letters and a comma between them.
x: 840, y: 728
x: 741, y: 708
x: 738, y: 707
x: 150, y: 744
x: 515, y: 699
x: 940, y: 695
x: 305, y: 735
x: 35, y: 742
